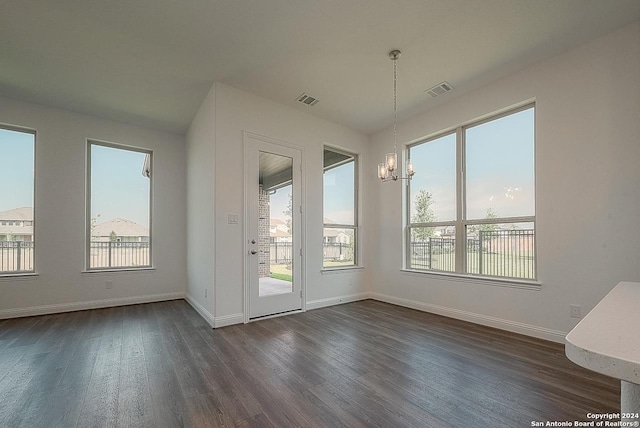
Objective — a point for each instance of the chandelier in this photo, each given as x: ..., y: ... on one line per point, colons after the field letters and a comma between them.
x: 387, y: 170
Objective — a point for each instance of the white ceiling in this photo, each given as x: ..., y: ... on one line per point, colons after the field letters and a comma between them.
x: 151, y: 62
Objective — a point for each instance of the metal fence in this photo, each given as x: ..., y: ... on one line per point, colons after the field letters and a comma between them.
x: 504, y: 253
x: 508, y: 253
x: 434, y: 253
x: 337, y: 252
x: 118, y: 254
x: 16, y: 256
x: 281, y: 252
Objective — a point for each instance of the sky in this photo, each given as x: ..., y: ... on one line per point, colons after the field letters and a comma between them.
x: 118, y: 188
x: 339, y: 194
x: 16, y: 158
x: 499, y: 169
x: 500, y: 176
x: 434, y: 164
x: 278, y: 203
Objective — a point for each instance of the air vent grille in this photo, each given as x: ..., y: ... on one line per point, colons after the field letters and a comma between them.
x: 439, y: 89
x: 308, y: 100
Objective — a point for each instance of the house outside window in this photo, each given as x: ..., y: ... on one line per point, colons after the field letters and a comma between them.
x: 471, y: 210
x: 17, y: 239
x: 340, y: 209
x: 119, y: 216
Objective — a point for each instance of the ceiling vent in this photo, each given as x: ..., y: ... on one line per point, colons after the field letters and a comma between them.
x: 439, y: 89
x: 308, y: 100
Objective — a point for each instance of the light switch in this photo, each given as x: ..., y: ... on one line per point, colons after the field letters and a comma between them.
x: 233, y: 218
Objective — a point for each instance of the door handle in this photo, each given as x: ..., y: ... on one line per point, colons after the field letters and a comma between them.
x: 254, y: 252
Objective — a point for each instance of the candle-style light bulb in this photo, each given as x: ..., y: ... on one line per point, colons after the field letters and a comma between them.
x: 382, y: 171
x: 391, y: 161
x: 410, y: 170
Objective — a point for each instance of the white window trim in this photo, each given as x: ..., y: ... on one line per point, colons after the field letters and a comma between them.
x: 527, y: 284
x: 461, y: 222
x: 32, y: 272
x: 88, y: 268
x: 22, y: 275
x: 356, y: 215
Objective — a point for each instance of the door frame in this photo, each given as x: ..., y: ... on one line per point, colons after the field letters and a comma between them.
x: 247, y: 137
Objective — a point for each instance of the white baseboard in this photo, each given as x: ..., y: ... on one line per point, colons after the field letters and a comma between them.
x: 222, y: 321
x: 226, y: 320
x: 81, y: 306
x: 205, y: 314
x: 322, y: 303
x: 314, y: 304
x: 508, y: 325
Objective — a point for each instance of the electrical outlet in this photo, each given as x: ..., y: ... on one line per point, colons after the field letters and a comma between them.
x: 575, y: 311
x: 205, y: 292
x: 108, y: 285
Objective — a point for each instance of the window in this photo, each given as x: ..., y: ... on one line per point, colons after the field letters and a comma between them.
x: 340, y: 212
x: 119, y: 207
x: 17, y: 151
x: 471, y: 210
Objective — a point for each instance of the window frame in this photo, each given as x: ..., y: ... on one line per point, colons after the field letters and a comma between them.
x: 32, y: 271
x: 461, y: 222
x: 101, y: 143
x: 355, y: 226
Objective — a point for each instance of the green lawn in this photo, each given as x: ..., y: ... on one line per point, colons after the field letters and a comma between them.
x: 282, y: 272
x: 502, y: 264
x: 329, y: 263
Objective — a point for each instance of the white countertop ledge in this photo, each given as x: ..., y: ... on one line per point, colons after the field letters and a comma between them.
x: 607, y: 340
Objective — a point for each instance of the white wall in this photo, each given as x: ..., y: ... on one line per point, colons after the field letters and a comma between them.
x: 238, y: 111
x: 588, y: 198
x: 60, y: 216
x: 588, y: 190
x: 200, y: 208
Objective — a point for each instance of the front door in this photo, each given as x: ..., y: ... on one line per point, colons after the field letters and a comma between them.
x: 274, y: 250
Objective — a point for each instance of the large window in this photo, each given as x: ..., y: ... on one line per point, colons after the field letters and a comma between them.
x: 119, y: 207
x: 471, y: 210
x: 17, y: 151
x: 340, y: 236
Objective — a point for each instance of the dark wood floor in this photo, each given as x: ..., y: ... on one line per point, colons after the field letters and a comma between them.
x: 360, y: 364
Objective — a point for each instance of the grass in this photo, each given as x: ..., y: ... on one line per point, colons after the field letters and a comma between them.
x: 502, y: 264
x: 282, y: 272
x: 328, y: 263
x: 288, y: 278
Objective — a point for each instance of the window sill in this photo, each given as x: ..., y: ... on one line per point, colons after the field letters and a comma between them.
x: 18, y: 276
x: 474, y: 279
x: 117, y: 270
x: 331, y: 271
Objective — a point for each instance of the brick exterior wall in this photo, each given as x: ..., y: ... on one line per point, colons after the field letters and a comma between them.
x: 264, y: 224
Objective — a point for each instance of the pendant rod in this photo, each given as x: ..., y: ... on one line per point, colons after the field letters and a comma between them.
x: 390, y: 169
x: 395, y: 100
